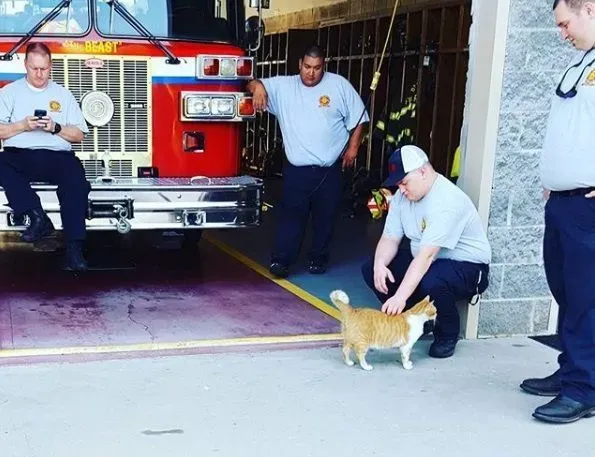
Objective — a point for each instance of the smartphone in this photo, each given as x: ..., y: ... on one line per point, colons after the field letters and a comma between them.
x: 40, y: 113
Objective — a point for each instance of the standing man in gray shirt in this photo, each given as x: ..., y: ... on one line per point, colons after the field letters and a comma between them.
x: 433, y: 244
x: 39, y: 121
x: 321, y: 117
x: 568, y: 178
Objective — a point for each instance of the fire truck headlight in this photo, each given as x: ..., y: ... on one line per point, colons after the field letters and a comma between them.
x: 223, y: 106
x: 228, y: 67
x: 195, y: 105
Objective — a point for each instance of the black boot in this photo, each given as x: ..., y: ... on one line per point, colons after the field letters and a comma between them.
x: 443, y: 348
x: 279, y: 270
x: 40, y: 226
x: 563, y: 410
x: 316, y: 267
x: 74, y: 260
x: 548, y: 387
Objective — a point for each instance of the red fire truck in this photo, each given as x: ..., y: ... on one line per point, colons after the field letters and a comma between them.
x: 161, y: 84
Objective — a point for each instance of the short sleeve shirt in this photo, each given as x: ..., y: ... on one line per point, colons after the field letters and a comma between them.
x: 568, y: 155
x: 19, y: 100
x: 446, y: 218
x: 315, y: 121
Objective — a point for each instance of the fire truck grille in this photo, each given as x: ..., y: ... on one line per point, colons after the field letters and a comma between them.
x: 93, y: 168
x: 120, y: 168
x: 126, y: 82
x: 117, y: 168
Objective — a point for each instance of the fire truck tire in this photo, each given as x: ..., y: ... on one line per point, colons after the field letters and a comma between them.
x: 191, y: 239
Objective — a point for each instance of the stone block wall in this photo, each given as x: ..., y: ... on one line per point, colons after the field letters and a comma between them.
x: 518, y: 300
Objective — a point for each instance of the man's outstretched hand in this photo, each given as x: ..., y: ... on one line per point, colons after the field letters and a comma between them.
x: 394, y: 305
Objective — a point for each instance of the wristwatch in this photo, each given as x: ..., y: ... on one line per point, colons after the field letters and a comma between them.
x: 57, y: 128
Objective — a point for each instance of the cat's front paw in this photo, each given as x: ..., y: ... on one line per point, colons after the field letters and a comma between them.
x: 408, y: 365
x: 367, y: 367
x: 349, y: 362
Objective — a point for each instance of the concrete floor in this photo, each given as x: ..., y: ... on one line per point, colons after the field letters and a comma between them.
x: 160, y: 300
x: 287, y: 403
x: 258, y: 402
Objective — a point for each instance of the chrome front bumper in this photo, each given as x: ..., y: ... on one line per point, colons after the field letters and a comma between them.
x: 126, y: 204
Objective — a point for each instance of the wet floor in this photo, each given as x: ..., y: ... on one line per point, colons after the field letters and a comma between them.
x: 141, y: 289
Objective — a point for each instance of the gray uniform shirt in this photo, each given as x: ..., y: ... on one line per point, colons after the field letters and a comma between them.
x: 18, y: 100
x: 568, y: 156
x: 315, y: 121
x: 445, y: 217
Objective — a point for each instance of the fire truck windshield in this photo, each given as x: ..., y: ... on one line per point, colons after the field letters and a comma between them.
x: 201, y: 20
x: 196, y: 20
x: 18, y: 17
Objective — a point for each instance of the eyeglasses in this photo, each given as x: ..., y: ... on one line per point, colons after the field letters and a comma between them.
x: 572, y: 91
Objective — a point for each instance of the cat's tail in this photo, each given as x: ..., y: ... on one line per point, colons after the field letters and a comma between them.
x: 341, y: 300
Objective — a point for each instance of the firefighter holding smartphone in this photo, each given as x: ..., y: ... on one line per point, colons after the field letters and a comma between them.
x: 39, y: 121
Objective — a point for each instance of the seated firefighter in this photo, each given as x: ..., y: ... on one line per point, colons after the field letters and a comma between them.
x: 39, y: 121
x: 433, y: 244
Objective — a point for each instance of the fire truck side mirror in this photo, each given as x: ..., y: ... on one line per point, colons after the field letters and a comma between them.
x: 254, y: 32
x: 262, y: 4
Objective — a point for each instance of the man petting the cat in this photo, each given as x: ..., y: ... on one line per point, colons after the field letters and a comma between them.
x: 433, y: 244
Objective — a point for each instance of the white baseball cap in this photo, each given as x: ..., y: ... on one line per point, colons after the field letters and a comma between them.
x: 403, y: 160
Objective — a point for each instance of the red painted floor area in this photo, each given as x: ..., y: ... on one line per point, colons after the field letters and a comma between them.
x: 141, y: 294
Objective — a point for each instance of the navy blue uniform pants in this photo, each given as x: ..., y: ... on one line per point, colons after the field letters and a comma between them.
x: 569, y: 260
x: 446, y: 282
x: 19, y: 167
x: 307, y: 190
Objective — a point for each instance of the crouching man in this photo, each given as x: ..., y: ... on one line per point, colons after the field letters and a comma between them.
x: 433, y: 244
x: 39, y: 121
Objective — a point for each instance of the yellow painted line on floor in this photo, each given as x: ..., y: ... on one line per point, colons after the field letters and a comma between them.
x: 289, y: 286
x: 171, y: 346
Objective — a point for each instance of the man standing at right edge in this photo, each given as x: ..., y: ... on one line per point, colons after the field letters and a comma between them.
x: 568, y: 177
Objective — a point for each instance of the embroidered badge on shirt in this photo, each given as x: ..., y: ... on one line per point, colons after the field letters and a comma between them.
x: 55, y: 106
x: 423, y: 225
x: 590, y: 81
x: 324, y: 101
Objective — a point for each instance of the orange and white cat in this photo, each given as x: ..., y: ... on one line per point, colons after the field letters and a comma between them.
x: 365, y: 328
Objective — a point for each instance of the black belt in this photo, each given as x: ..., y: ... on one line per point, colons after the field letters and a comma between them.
x: 316, y: 167
x: 572, y: 192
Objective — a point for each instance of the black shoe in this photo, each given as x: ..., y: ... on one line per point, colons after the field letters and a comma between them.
x: 279, y: 269
x: 74, y: 260
x: 316, y: 268
x: 428, y: 327
x: 547, y: 387
x: 562, y: 410
x: 40, y: 226
x: 443, y: 348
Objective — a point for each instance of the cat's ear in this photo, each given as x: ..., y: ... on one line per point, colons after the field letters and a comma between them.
x: 427, y: 298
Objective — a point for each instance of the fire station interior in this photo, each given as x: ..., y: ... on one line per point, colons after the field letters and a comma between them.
x: 148, y: 292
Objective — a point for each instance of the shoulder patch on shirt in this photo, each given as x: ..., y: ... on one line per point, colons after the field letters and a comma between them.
x: 324, y: 101
x: 55, y: 106
x: 590, y: 80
